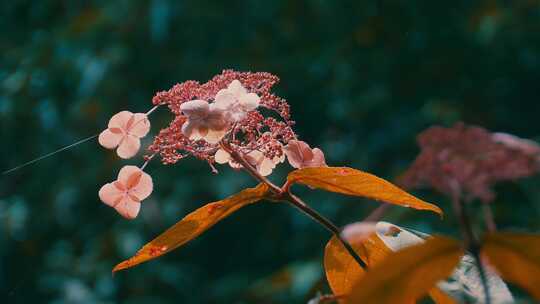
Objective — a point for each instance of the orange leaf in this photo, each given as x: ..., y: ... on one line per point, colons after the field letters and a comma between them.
x: 409, y: 274
x: 193, y: 225
x: 340, y: 267
x: 516, y: 256
x: 357, y: 183
x: 439, y: 297
x: 342, y: 271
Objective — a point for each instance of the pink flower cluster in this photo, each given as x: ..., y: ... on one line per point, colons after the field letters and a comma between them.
x: 467, y: 161
x: 236, y: 105
x: 234, y: 110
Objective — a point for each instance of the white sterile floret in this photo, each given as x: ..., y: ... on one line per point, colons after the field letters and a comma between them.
x: 236, y: 101
x: 256, y: 158
x: 205, y: 121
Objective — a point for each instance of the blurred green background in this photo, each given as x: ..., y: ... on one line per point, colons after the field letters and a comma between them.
x: 363, y: 78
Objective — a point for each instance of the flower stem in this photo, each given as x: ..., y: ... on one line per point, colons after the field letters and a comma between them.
x: 284, y: 195
x: 239, y: 158
x: 471, y: 244
x: 488, y: 217
x: 152, y: 110
x: 147, y: 161
x: 302, y: 206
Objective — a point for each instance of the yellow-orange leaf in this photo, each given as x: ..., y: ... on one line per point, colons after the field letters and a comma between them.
x: 516, y: 256
x: 357, y: 183
x: 340, y: 267
x: 342, y: 271
x: 193, y: 225
x: 409, y: 274
x: 439, y: 297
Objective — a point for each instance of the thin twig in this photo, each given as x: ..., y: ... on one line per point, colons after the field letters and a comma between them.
x: 147, y: 161
x: 298, y: 203
x: 239, y: 158
x: 284, y: 194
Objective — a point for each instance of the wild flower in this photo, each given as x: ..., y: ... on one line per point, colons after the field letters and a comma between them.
x: 124, y: 132
x: 236, y: 101
x: 468, y: 160
x: 234, y: 119
x: 263, y: 164
x: 231, y: 110
x: 204, y: 121
x: 126, y: 193
x: 300, y: 155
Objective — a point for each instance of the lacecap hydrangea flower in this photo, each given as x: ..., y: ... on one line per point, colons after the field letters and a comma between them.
x: 230, y: 113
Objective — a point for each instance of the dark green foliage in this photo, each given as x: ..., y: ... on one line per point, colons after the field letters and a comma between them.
x: 362, y: 77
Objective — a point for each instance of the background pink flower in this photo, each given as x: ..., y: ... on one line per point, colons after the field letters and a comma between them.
x: 126, y: 193
x: 124, y: 131
x: 470, y: 157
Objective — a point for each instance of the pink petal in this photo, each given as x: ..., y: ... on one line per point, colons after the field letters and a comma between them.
x: 193, y: 130
x: 202, y: 130
x: 128, y: 208
x: 235, y: 165
x: 296, y: 152
x: 216, y: 119
x: 143, y: 188
x: 236, y: 88
x: 305, y: 150
x: 110, y: 194
x: 140, y: 126
x: 300, y: 155
x: 214, y: 136
x: 511, y: 141
x: 195, y: 109
x: 279, y: 159
x: 255, y: 157
x: 120, y: 120
x: 318, y: 158
x: 237, y: 114
x: 224, y: 100
x: 127, y: 172
x: 265, y: 167
x: 109, y: 139
x: 133, y: 180
x: 222, y: 157
x: 129, y: 146
x: 250, y: 101
x: 187, y: 128
x: 358, y: 232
